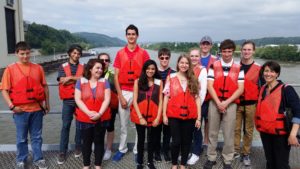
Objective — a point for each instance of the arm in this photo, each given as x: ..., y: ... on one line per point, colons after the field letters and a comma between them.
x: 213, y: 94
x: 235, y: 95
x: 198, y: 120
x: 119, y: 91
x: 203, y: 84
x: 135, y: 104
x: 105, y: 104
x: 68, y: 80
x: 47, y: 104
x: 81, y: 105
x: 6, y: 97
x: 156, y: 121
x: 165, y: 101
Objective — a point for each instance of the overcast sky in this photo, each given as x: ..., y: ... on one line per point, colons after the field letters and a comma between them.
x: 170, y: 20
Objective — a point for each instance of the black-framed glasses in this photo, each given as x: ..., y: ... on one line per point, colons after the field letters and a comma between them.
x: 164, y: 58
x: 105, y: 60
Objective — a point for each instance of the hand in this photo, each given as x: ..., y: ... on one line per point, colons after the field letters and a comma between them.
x: 96, y: 117
x: 222, y: 106
x: 17, y: 109
x: 66, y: 80
x: 123, y: 102
x: 198, y: 124
x: 293, y: 141
x: 166, y: 120
x: 155, y: 122
x: 47, y: 108
x: 91, y: 114
x: 143, y: 122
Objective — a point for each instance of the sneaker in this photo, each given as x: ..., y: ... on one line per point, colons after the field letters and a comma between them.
x: 139, y: 166
x: 167, y: 156
x: 20, y: 165
x: 118, y: 156
x: 41, y: 164
x: 157, y: 157
x: 77, y: 153
x: 227, y: 166
x: 151, y: 166
x: 107, y: 155
x: 61, y: 158
x: 246, y: 160
x: 209, y: 164
x: 236, y: 155
x: 194, y: 158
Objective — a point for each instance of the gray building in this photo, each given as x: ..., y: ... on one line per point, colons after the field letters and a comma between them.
x: 11, y: 29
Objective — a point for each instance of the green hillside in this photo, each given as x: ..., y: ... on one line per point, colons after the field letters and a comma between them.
x: 100, y: 40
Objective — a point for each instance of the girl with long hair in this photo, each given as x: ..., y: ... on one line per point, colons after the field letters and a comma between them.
x: 181, y: 109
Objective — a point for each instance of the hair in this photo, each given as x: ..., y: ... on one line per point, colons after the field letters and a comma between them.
x: 193, y: 84
x: 194, y: 49
x: 227, y: 44
x: 132, y: 27
x: 164, y: 51
x: 103, y: 53
x: 143, y: 79
x: 74, y: 47
x: 249, y: 42
x: 22, y: 45
x: 274, y: 66
x: 90, y: 64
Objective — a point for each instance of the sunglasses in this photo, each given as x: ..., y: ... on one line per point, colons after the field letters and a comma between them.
x: 105, y: 60
x: 164, y: 58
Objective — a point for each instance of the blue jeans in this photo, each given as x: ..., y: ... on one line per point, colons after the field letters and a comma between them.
x: 198, y: 137
x: 67, y: 117
x: 33, y: 123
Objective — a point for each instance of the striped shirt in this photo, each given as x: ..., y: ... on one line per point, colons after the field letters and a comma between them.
x: 226, y: 69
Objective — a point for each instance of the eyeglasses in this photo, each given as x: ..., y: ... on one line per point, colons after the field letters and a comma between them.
x: 164, y: 58
x: 105, y: 60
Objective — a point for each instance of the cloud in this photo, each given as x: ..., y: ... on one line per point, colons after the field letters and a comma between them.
x: 170, y: 20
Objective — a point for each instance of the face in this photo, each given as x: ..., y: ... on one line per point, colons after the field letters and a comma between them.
x: 247, y: 51
x: 183, y: 64
x: 75, y: 55
x: 269, y: 75
x: 164, y: 60
x: 131, y: 36
x: 227, y: 55
x: 205, y: 47
x: 96, y: 71
x: 105, y: 60
x: 150, y: 71
x: 24, y: 56
x: 195, y: 57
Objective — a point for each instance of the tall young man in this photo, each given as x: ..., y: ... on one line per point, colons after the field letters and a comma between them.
x: 207, y: 59
x: 225, y: 85
x: 25, y: 91
x: 128, y: 63
x: 68, y: 73
x: 247, y: 106
x: 164, y: 56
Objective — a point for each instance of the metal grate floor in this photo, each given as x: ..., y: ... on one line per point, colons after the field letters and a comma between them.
x: 7, y: 161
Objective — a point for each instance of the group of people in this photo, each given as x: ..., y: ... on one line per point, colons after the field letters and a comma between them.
x: 219, y: 92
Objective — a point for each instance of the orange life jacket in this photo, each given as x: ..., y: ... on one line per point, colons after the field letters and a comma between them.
x: 114, y: 99
x: 67, y: 91
x: 268, y: 119
x: 148, y: 105
x: 93, y: 103
x: 210, y: 62
x: 181, y: 105
x: 251, y: 89
x: 197, y: 70
x: 225, y: 86
x: 25, y: 89
x: 130, y: 68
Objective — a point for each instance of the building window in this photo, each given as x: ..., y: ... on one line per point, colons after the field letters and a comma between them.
x: 10, y: 30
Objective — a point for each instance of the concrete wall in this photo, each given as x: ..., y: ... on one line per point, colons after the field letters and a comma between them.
x: 5, y: 57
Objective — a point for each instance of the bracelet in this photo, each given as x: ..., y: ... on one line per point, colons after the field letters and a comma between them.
x: 198, y: 120
x: 13, y: 107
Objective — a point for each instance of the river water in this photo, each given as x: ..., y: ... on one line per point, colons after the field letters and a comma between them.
x: 52, y: 123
